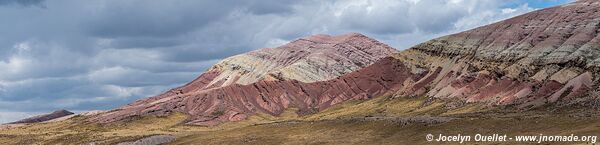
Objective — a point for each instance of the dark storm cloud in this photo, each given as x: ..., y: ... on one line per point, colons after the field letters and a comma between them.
x: 129, y: 77
x: 185, y: 54
x: 22, y: 90
x: 22, y: 2
x: 153, y: 18
x: 87, y: 55
x: 271, y: 6
x: 144, y: 42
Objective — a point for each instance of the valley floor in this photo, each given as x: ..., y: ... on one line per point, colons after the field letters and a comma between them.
x: 389, y: 132
x: 381, y: 120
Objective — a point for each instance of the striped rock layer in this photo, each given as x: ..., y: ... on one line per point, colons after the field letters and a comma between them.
x: 252, y: 78
x: 310, y: 59
x: 530, y: 60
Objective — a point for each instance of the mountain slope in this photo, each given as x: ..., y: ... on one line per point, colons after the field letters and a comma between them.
x: 310, y: 59
x: 273, y: 79
x: 530, y: 60
x: 237, y: 102
x: 544, y: 57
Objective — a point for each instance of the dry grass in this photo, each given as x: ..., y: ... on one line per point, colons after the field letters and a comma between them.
x: 343, y: 124
x: 385, y: 132
x: 394, y: 107
x: 339, y: 125
x: 76, y: 131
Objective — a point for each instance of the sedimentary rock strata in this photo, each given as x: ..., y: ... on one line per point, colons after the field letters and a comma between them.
x: 537, y: 58
x: 310, y: 59
x: 236, y: 102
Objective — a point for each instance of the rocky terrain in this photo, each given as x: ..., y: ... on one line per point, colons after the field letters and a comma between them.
x: 152, y: 140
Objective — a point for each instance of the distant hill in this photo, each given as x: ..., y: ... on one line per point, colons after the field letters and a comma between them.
x: 45, y: 117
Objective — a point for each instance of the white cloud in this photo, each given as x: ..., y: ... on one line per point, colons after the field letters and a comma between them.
x: 275, y: 43
x: 13, y: 66
x: 488, y: 16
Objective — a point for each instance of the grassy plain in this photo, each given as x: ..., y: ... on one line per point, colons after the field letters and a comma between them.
x: 382, y: 120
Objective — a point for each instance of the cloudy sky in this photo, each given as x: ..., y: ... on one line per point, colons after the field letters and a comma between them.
x: 86, y: 55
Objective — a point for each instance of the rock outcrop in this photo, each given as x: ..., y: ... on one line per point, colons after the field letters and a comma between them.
x: 152, y: 140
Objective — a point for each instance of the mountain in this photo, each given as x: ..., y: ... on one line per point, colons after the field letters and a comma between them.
x: 263, y: 80
x: 45, y: 117
x: 310, y: 59
x: 546, y: 56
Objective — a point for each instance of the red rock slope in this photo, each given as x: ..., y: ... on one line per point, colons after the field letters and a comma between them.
x: 236, y: 102
x: 309, y: 59
x: 546, y: 56
x: 270, y: 80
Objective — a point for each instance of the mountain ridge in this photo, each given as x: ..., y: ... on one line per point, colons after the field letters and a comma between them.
x: 295, y: 65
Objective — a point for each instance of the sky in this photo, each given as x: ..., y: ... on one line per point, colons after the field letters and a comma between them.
x: 83, y: 55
